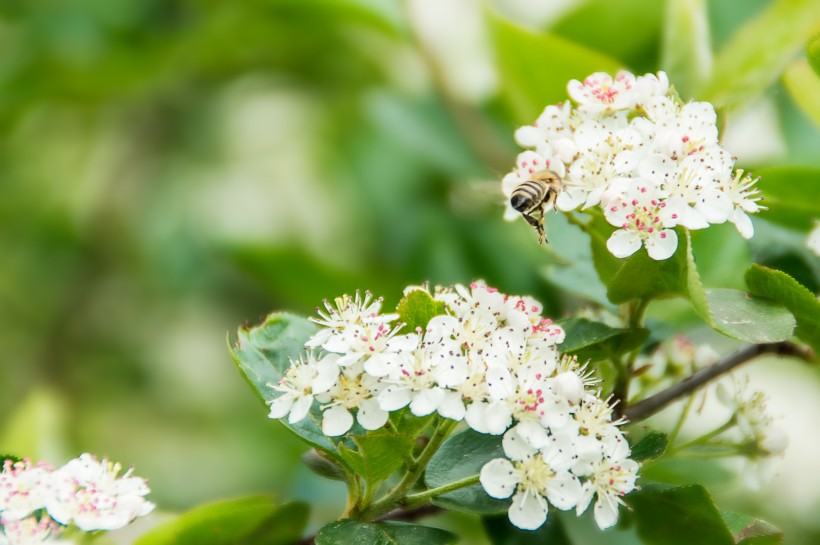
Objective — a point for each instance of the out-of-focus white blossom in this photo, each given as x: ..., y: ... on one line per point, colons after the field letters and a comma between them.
x: 813, y: 242
x: 619, y: 138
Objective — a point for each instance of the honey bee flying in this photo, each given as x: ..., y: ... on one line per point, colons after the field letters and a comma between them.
x: 533, y: 196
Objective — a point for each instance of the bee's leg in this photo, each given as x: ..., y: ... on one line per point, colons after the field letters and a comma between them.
x: 538, y: 225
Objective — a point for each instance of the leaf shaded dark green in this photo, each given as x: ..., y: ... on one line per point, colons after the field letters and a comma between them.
x: 353, y: 532
x: 501, y: 531
x: 596, y: 341
x: 651, y: 446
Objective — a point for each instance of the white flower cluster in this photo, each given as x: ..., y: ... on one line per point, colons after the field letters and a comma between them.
x: 491, y: 361
x: 38, y: 502
x: 651, y: 162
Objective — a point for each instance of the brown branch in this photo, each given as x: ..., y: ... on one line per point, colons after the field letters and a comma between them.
x: 403, y: 515
x: 651, y: 405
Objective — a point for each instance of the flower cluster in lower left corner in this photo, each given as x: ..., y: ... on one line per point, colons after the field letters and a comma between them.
x: 38, y: 503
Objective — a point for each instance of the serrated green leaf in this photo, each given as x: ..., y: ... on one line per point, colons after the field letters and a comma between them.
x: 353, y: 532
x: 416, y: 309
x: 751, y: 531
x: 651, y: 446
x: 535, y: 67
x: 461, y: 456
x: 686, y: 53
x: 263, y: 354
x: 241, y: 521
x: 501, y: 531
x: 750, y: 319
x: 784, y: 289
x: 757, y: 53
x: 596, y: 341
x: 787, y: 192
x: 803, y: 84
x: 678, y: 516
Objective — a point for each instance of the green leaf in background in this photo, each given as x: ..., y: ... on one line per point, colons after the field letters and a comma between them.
x: 534, y: 67
x: 263, y: 353
x: 382, y: 453
x: 462, y: 456
x: 501, y: 531
x: 353, y: 532
x: 751, y: 531
x: 599, y: 24
x: 596, y: 341
x: 678, y: 516
x: 254, y: 520
x: 651, y: 446
x: 788, y: 193
x: 686, y: 53
x: 784, y: 289
x: 803, y: 85
x: 813, y: 53
x: 416, y: 309
x: 750, y: 319
x: 758, y: 52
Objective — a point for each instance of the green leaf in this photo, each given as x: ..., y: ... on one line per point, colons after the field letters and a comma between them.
x: 535, y: 67
x: 787, y: 192
x: 263, y: 353
x: 678, y: 516
x: 651, y: 446
x: 501, y: 531
x: 803, y: 85
x: 784, y: 289
x: 14, y: 459
x: 686, y: 54
x: 750, y: 319
x: 813, y: 54
x: 416, y: 309
x: 596, y: 341
x: 383, y: 453
x: 353, y: 532
x: 751, y: 531
x: 641, y: 277
x: 323, y: 466
x: 757, y: 53
x: 255, y: 520
x: 461, y: 456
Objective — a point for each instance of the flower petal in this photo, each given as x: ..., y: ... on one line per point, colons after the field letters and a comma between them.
x: 623, y: 243
x: 370, y: 415
x: 662, y: 245
x: 528, y: 510
x: 336, y: 420
x: 499, y: 478
x: 426, y: 401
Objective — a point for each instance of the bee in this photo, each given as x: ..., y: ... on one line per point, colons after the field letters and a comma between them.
x: 533, y: 196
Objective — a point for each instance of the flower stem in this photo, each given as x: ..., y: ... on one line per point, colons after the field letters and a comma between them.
x: 414, y: 500
x: 415, y: 469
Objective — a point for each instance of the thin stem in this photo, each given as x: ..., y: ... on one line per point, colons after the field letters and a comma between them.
x: 704, y: 439
x: 414, y: 472
x: 651, y: 405
x: 681, y: 419
x: 414, y: 500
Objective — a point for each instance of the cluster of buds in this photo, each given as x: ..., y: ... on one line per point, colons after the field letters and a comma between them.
x: 37, y: 502
x: 630, y: 146
x: 490, y: 360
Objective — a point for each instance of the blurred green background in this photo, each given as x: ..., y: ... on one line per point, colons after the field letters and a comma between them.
x: 171, y: 169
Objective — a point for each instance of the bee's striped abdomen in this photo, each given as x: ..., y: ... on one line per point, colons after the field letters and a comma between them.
x: 528, y: 194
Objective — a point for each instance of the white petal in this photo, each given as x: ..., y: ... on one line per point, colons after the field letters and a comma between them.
x: 533, y: 433
x: 452, y: 406
x: 300, y: 409
x: 370, y: 415
x: 564, y: 491
x: 475, y: 416
x: 394, y: 397
x: 623, y: 243
x: 528, y: 510
x: 587, y: 491
x: 497, y: 417
x: 743, y: 223
x: 280, y: 406
x: 606, y: 512
x: 570, y: 199
x: 381, y: 365
x: 336, y: 420
x: 499, y: 478
x: 451, y: 372
x: 515, y: 446
x: 326, y: 376
x: 500, y: 382
x: 662, y: 245
x: 528, y: 136
x: 426, y: 401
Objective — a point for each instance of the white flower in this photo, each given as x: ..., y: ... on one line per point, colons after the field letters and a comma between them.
x: 30, y: 531
x: 553, y: 124
x: 90, y: 494
x: 813, y: 242
x: 533, y: 478
x: 357, y: 390
x: 600, y: 93
x: 23, y: 488
x: 740, y: 191
x: 637, y: 210
x: 413, y: 383
x: 301, y: 382
x: 612, y: 478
